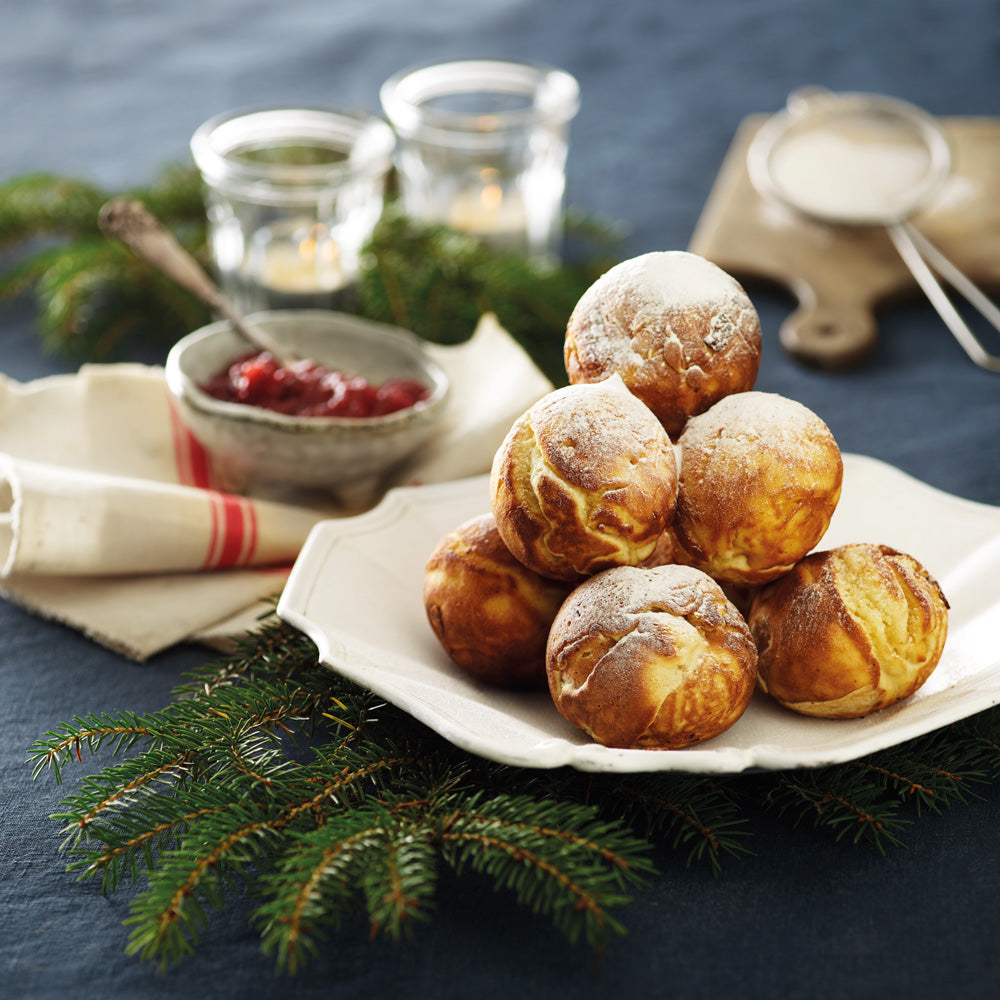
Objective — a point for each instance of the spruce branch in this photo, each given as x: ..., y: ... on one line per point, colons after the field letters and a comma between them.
x: 438, y: 283
x: 94, y: 298
x: 42, y: 204
x: 357, y: 822
x: 312, y: 887
x: 219, y: 843
x: 979, y: 736
x: 272, y: 649
x: 120, y: 730
x: 133, y: 840
x: 928, y: 775
x: 119, y: 786
x: 574, y: 877
x: 843, y: 800
x: 868, y: 800
x: 380, y: 857
x: 269, y: 769
x: 699, y: 815
x: 92, y: 295
x: 398, y: 885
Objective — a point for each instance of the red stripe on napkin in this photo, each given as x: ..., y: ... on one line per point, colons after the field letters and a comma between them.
x: 233, y: 533
x: 199, y: 463
x: 190, y: 457
x: 233, y: 530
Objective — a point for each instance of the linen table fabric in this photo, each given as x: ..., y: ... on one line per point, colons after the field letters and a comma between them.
x: 111, y: 523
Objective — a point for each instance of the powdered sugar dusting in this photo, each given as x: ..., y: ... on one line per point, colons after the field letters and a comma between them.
x: 754, y: 415
x: 720, y: 332
x: 650, y: 289
x: 596, y: 424
x: 631, y: 590
x: 613, y: 346
x: 676, y: 279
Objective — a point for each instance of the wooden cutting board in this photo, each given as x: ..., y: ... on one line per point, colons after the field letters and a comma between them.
x: 840, y: 276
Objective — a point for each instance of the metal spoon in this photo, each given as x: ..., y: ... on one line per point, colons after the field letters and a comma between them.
x: 132, y: 223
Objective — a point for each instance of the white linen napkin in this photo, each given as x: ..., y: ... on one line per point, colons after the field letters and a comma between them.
x: 110, y: 522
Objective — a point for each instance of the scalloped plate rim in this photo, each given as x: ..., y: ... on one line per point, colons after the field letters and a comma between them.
x: 359, y: 658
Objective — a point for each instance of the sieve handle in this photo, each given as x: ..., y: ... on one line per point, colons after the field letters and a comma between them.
x: 919, y: 256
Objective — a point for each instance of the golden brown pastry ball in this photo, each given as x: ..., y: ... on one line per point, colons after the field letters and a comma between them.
x: 489, y: 612
x: 760, y: 478
x: 584, y: 480
x: 849, y: 631
x: 678, y: 329
x: 650, y: 658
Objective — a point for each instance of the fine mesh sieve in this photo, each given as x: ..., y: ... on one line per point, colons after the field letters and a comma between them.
x: 869, y: 160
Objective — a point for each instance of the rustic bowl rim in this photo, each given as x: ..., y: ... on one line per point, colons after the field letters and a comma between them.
x: 185, y: 386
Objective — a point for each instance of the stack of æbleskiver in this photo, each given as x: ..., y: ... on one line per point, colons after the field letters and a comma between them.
x: 649, y: 551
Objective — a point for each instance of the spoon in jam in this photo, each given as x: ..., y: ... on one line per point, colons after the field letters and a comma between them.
x: 132, y: 223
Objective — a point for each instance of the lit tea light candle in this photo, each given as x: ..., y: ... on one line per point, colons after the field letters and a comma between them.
x: 491, y: 213
x: 302, y: 269
x: 292, y: 196
x: 481, y: 147
x: 308, y: 265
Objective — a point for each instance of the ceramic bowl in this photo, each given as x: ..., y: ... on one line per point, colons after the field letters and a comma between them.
x: 251, y: 445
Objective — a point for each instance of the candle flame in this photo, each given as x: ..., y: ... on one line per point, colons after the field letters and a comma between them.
x: 317, y: 249
x: 307, y: 249
x: 306, y: 262
x: 491, y: 197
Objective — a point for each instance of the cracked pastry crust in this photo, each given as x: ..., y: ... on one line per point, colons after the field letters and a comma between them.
x: 584, y: 480
x: 490, y: 613
x: 680, y: 331
x: 650, y: 658
x: 849, y: 631
x: 760, y: 477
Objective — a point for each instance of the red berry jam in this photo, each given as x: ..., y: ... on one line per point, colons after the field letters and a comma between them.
x: 307, y: 389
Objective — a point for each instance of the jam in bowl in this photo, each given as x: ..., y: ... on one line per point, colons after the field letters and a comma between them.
x: 318, y: 422
x: 305, y: 388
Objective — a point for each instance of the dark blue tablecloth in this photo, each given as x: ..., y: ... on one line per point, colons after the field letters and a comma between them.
x: 111, y: 90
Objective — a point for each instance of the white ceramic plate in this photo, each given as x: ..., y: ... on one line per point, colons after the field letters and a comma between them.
x: 356, y: 590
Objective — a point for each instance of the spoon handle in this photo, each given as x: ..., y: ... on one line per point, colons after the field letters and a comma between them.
x: 132, y: 223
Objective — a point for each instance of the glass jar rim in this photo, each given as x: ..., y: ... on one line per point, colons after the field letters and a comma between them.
x: 366, y: 140
x: 554, y: 94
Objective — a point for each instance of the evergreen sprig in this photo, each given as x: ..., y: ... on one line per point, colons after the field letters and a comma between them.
x: 438, y: 283
x: 269, y: 770
x: 267, y: 767
x: 874, y: 799
x: 701, y: 817
x: 93, y: 297
x: 96, y: 300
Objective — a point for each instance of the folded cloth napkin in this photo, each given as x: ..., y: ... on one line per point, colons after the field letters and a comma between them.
x: 110, y: 522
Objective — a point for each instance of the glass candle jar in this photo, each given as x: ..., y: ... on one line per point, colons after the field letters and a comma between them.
x: 481, y: 147
x: 292, y: 195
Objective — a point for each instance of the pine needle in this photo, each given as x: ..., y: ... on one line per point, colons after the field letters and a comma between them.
x: 40, y: 204
x: 697, y: 815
